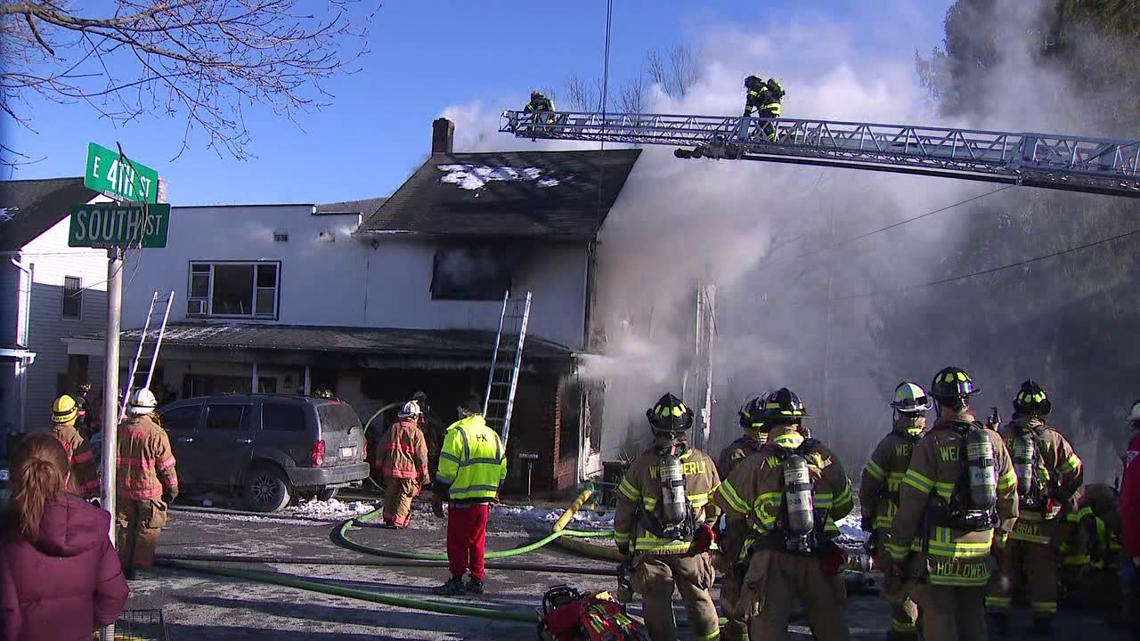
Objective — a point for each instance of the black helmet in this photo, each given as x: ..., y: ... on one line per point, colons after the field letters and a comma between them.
x: 670, y: 414
x: 1032, y: 399
x: 471, y: 406
x: 783, y: 404
x: 952, y: 383
x: 750, y: 414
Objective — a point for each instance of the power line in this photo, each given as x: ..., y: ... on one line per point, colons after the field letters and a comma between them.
x: 888, y: 227
x: 992, y: 270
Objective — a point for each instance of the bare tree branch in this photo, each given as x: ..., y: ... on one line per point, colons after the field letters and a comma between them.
x: 676, y: 71
x: 204, y: 59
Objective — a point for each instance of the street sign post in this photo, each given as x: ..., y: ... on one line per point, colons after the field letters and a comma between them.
x: 115, y: 225
x: 108, y: 173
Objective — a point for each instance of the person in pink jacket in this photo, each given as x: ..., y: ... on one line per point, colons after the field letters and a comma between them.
x: 60, y: 578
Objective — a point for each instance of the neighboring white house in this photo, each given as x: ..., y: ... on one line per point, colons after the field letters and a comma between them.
x: 48, y: 291
x: 377, y: 299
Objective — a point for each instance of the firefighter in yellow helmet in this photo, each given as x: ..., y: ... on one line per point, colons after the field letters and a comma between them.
x: 957, y: 501
x: 730, y: 542
x: 146, y: 480
x: 84, y: 472
x: 1049, y: 473
x: 790, y: 495
x: 879, y: 494
x: 664, y: 519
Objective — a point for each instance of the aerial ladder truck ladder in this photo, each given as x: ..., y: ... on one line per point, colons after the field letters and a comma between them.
x: 1051, y: 161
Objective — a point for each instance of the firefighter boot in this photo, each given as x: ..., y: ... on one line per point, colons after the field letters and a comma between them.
x: 998, y: 623
x: 1042, y: 625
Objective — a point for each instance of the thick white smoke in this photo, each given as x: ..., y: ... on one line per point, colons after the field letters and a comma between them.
x: 762, y: 233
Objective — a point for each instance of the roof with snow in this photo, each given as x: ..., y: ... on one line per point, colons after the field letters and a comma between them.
x: 561, y: 194
x: 28, y: 208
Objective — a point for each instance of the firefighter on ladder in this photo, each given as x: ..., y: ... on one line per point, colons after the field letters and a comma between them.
x: 147, y: 483
x: 1049, y: 473
x: 957, y: 502
x: 84, y: 473
x: 790, y: 495
x: 879, y: 493
x: 663, y: 519
x: 764, y: 97
x: 732, y: 540
x: 402, y: 458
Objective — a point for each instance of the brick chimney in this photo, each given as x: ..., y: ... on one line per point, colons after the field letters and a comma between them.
x: 442, y: 136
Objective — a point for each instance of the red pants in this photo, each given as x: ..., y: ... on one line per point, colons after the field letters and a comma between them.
x: 466, y: 537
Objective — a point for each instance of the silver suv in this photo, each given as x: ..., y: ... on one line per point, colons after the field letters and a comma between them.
x: 273, y: 448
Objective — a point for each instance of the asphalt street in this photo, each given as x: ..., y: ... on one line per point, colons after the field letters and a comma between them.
x: 208, y: 608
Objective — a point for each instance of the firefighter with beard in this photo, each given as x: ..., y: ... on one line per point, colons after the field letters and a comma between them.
x: 790, y: 496
x: 664, y: 520
x: 957, y: 502
x: 728, y: 557
x: 879, y: 493
x: 1049, y: 473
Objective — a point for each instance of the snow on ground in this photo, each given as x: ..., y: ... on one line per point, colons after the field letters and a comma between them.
x: 583, y: 519
x: 849, y: 529
x: 475, y: 177
x: 331, y: 509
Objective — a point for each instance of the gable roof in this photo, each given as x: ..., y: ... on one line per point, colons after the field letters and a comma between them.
x: 505, y: 194
x: 366, y: 207
x: 28, y: 208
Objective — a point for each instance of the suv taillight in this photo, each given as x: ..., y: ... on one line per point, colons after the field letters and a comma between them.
x: 318, y: 455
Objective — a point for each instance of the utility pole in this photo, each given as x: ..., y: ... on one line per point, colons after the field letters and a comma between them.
x: 111, y: 392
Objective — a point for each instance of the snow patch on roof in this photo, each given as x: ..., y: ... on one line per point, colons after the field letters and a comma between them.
x: 5, y: 216
x: 475, y: 177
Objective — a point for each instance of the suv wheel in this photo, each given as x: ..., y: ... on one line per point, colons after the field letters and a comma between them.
x: 266, y: 489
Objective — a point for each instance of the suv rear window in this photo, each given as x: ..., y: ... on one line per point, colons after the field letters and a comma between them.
x: 282, y: 417
x: 337, y: 417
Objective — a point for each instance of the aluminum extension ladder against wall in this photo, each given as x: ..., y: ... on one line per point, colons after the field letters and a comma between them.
x: 506, y: 360
x: 133, y: 382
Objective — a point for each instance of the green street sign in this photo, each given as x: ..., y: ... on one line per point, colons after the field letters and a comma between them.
x: 111, y: 224
x: 109, y: 174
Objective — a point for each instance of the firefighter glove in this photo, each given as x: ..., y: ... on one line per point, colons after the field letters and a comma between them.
x: 437, y: 504
x: 169, y: 494
x: 704, y: 539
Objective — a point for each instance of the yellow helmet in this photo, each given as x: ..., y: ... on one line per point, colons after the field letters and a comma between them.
x: 64, y: 410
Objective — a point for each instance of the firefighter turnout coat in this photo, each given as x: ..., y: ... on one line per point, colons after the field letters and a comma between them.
x: 84, y: 471
x: 1058, y: 475
x: 947, y: 556
x: 146, y: 482
x: 882, y: 476
x: 640, y: 491
x: 402, y: 452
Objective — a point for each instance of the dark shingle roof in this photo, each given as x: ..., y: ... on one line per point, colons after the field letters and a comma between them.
x: 458, y: 343
x: 28, y: 208
x: 522, y: 194
x: 367, y: 207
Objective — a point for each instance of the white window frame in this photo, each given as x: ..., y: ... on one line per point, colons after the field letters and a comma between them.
x: 276, y: 289
x: 63, y: 298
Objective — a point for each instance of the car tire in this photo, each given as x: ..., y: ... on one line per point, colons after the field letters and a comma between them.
x: 327, y: 494
x: 266, y: 489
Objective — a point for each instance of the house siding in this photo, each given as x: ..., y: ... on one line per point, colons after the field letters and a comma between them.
x: 51, y: 260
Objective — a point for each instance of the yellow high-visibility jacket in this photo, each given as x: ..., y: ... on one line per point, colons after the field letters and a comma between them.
x: 472, y: 463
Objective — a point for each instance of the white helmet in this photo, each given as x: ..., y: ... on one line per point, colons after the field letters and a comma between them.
x: 1134, y: 414
x: 910, y: 399
x: 142, y: 401
x: 411, y: 408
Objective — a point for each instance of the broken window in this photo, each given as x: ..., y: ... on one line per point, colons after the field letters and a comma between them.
x: 234, y: 289
x: 476, y: 272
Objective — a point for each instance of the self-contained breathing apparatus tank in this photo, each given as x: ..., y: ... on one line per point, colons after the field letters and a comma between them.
x: 982, y: 478
x: 1024, y: 464
x: 799, y: 503
x: 674, y: 500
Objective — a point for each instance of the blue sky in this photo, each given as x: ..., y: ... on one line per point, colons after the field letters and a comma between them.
x: 424, y: 57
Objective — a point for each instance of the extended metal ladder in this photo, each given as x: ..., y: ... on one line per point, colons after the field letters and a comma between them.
x: 505, y: 362
x: 133, y: 378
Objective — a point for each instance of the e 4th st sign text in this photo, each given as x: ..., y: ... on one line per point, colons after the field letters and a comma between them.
x: 111, y: 224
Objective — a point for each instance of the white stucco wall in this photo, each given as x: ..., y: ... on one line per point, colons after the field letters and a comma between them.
x: 346, y: 282
x: 321, y: 281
